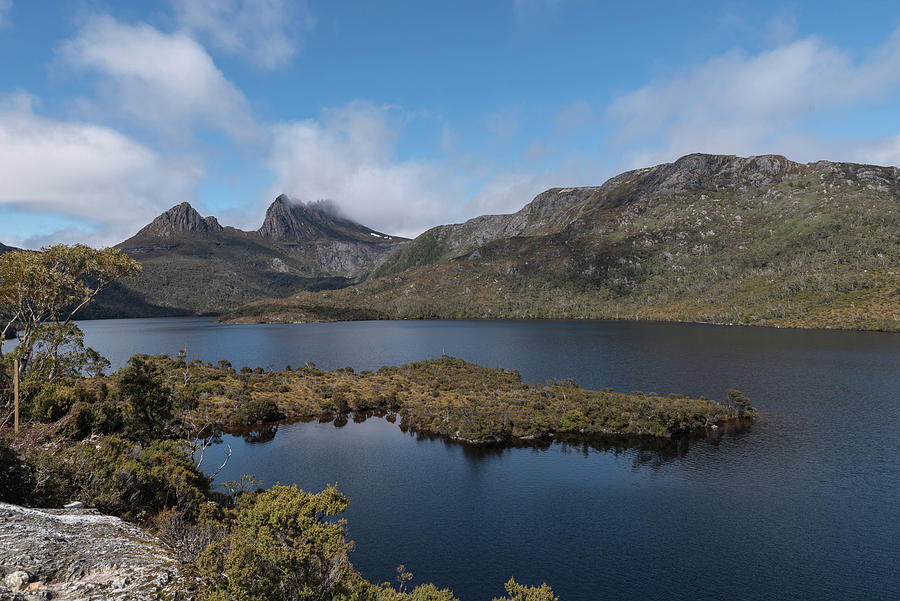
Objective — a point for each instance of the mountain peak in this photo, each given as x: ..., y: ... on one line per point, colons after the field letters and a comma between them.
x: 181, y: 218
x: 290, y: 221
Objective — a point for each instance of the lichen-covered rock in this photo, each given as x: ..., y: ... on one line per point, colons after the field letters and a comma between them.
x: 17, y: 580
x: 75, y: 555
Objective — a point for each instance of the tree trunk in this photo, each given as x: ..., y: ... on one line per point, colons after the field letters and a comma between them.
x: 16, y: 396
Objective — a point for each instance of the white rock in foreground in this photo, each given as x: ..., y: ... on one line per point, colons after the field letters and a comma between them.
x: 75, y: 555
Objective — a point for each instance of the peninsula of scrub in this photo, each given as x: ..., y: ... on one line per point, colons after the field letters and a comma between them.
x: 447, y: 397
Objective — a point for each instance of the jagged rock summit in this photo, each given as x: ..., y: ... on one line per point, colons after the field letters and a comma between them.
x: 181, y: 218
x: 81, y: 555
x: 289, y: 221
x: 194, y: 266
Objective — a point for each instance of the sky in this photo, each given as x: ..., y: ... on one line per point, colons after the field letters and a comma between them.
x: 411, y: 114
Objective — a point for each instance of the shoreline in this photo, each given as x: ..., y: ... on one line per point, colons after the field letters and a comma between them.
x: 223, y: 319
x: 617, y: 439
x: 251, y: 321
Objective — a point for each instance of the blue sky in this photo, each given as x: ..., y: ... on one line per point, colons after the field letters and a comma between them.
x: 411, y: 114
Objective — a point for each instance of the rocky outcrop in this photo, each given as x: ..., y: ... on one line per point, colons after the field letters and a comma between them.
x: 288, y: 221
x: 548, y: 213
x: 79, y: 554
x: 318, y: 235
x: 182, y: 218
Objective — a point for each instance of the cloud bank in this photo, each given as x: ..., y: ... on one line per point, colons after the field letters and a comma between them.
x: 167, y: 81
x: 268, y: 32
x: 86, y: 171
x: 739, y: 103
x: 347, y: 155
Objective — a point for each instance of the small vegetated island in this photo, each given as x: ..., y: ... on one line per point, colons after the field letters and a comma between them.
x: 132, y: 445
x: 447, y: 396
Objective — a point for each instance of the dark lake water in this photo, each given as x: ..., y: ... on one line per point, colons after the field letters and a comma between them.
x: 805, y: 505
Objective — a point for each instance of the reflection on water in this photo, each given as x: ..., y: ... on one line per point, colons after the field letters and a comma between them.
x: 261, y: 435
x: 645, y: 451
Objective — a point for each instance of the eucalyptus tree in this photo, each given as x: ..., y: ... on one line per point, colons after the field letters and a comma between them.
x: 40, y: 295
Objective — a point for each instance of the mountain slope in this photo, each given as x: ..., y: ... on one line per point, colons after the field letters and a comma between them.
x: 710, y: 238
x: 193, y: 265
x: 548, y: 213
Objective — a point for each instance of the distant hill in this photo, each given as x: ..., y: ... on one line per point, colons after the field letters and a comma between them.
x: 194, y: 266
x: 709, y: 238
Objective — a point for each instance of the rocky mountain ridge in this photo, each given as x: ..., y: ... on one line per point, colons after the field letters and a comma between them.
x: 555, y: 209
x: 714, y: 238
x: 179, y: 219
x: 549, y: 212
x: 194, y: 266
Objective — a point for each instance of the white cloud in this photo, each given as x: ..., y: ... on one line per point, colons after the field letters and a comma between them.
x: 782, y: 28
x: 450, y: 139
x: 85, y: 171
x: 507, y: 192
x: 166, y: 80
x: 268, y: 32
x: 347, y: 155
x: 879, y: 152
x: 746, y: 104
x: 68, y: 235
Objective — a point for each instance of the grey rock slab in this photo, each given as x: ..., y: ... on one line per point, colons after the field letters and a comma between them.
x: 79, y: 554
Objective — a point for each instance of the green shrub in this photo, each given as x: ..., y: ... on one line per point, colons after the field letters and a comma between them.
x: 80, y: 421
x: 51, y: 402
x: 573, y: 421
x: 282, y: 546
x: 429, y: 592
x: 134, y: 481
x: 520, y: 592
x: 150, y: 402
x: 16, y: 476
x: 108, y: 418
x: 256, y: 411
